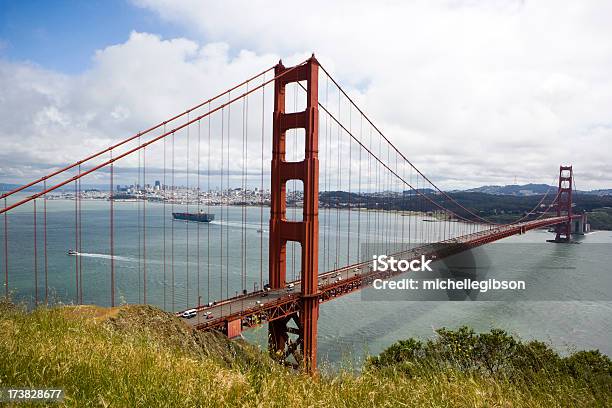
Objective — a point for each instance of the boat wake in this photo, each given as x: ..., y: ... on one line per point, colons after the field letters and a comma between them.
x: 106, y: 256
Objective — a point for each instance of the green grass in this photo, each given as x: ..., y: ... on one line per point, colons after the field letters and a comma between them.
x: 139, y: 356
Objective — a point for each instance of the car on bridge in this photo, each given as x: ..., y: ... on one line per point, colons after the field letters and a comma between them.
x: 188, y: 314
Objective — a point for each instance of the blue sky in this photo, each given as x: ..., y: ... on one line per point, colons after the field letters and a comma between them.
x: 63, y: 35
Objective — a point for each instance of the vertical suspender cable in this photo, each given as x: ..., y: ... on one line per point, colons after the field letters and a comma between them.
x: 80, y: 250
x: 359, y: 199
x: 208, y: 210
x: 325, y: 186
x: 261, y: 191
x: 339, y: 188
x: 45, y: 243
x: 6, y: 259
x: 350, y: 162
x: 246, y: 160
x: 76, y: 240
x: 199, y: 192
x: 139, y: 221
x: 227, y: 264
x: 417, y: 225
x: 165, y: 199
x: 410, y: 213
x: 112, y: 234
x: 376, y: 198
x: 144, y: 226
x: 401, y: 201
x: 389, y: 180
x: 173, y: 198
x: 243, y: 207
x: 187, y: 222
x: 369, y: 198
x: 222, y: 203
x: 294, y: 154
x: 35, y: 256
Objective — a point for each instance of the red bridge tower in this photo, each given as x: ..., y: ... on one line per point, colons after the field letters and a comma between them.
x: 306, y: 232
x: 564, y: 203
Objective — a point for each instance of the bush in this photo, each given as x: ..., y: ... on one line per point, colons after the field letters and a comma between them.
x: 495, y: 354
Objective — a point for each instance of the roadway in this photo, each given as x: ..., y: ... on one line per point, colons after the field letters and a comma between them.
x: 347, y: 279
x: 258, y: 299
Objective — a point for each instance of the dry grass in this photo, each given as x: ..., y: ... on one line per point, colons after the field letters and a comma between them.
x: 141, y: 357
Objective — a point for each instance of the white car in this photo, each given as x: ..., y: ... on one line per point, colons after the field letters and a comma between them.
x: 290, y: 287
x: 188, y: 314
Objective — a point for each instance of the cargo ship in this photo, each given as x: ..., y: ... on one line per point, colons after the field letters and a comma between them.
x: 198, y: 217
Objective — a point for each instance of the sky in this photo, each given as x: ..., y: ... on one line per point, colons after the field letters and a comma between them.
x: 473, y: 92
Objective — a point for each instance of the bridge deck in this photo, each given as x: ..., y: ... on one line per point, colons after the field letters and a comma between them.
x: 258, y: 307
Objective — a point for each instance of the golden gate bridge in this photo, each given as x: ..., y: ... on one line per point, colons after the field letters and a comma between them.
x: 229, y: 146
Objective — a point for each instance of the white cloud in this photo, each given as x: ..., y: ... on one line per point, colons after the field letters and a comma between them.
x: 48, y: 119
x: 510, y: 80
x: 472, y: 92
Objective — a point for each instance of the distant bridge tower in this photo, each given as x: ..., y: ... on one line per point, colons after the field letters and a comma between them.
x: 564, y: 203
x: 306, y: 232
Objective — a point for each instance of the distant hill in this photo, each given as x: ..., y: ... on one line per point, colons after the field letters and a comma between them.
x: 601, y: 192
x: 9, y: 187
x: 420, y: 190
x: 4, y: 187
x: 516, y: 190
x: 529, y: 190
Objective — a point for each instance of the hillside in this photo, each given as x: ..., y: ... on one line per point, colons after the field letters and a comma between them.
x: 138, y: 356
x: 493, y: 207
x: 521, y: 190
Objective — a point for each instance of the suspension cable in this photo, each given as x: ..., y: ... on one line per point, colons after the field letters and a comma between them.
x: 143, y: 145
x: 70, y: 166
x: 396, y: 149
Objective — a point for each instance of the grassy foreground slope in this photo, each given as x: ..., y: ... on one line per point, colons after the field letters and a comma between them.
x: 140, y: 356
